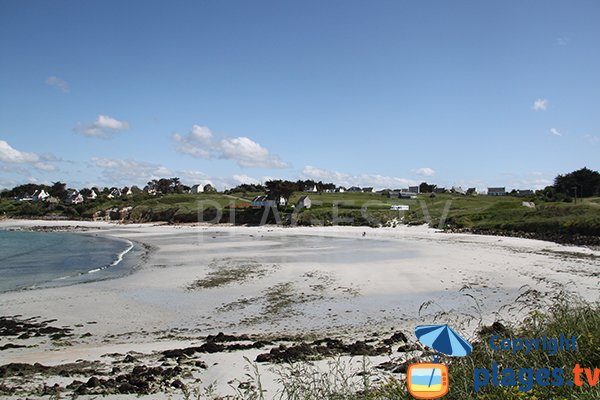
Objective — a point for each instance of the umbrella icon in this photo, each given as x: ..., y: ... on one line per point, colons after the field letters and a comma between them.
x: 443, y: 339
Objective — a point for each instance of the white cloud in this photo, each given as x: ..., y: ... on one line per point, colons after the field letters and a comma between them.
x: 555, y: 132
x: 11, y: 155
x: 347, y: 180
x: 58, y: 83
x: 247, y: 153
x: 562, y: 41
x: 241, y: 179
x: 103, y: 127
x: 128, y: 172
x: 540, y: 105
x: 425, y: 171
x: 44, y: 166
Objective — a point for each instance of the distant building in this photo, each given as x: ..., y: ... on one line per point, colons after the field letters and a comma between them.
x: 74, y: 197
x: 40, y: 195
x: 458, y: 189
x: 368, y: 190
x: 472, y: 191
x: 114, y: 192
x: 24, y: 197
x: 197, y: 189
x: 265, y: 201
x: 209, y: 188
x: 525, y: 192
x: 340, y: 189
x: 354, y: 189
x: 93, y: 195
x: 414, y: 189
x: 496, y: 191
x: 304, y: 202
x: 310, y: 188
x: 407, y: 195
x: 439, y: 190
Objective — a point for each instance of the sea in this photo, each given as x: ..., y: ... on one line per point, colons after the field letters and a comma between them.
x: 32, y: 260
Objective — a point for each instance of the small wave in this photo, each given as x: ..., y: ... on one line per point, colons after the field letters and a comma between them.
x: 116, y: 262
x: 122, y: 254
x: 120, y: 257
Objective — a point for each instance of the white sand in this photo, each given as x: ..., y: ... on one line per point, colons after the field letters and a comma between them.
x: 332, y: 281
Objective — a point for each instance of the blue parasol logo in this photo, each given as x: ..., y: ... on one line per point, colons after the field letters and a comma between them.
x: 443, y: 339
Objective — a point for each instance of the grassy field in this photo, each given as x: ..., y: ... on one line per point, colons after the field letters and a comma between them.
x: 508, y: 214
x: 484, y: 213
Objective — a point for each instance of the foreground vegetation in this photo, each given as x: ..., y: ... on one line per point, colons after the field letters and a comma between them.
x: 302, y: 381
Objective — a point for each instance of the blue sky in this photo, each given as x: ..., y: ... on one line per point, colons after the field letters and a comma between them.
x: 381, y: 93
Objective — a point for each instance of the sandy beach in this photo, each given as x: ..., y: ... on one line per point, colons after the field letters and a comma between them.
x: 271, y: 282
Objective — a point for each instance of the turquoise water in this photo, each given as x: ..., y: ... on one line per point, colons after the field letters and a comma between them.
x: 31, y: 260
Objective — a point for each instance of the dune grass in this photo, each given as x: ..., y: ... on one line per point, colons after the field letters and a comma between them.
x: 303, y: 381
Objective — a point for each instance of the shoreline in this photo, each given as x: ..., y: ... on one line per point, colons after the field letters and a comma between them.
x: 301, y: 283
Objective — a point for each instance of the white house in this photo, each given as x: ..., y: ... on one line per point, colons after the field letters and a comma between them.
x: 310, y: 188
x: 40, y: 195
x: 93, y: 195
x: 127, y: 192
x: 74, y: 197
x: 115, y: 192
x: 264, y: 201
x: 197, y: 189
x: 304, y: 202
x: 340, y: 189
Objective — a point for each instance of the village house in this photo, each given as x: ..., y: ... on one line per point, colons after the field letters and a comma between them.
x: 303, y: 202
x: 496, y: 191
x: 265, y: 201
x: 114, y: 192
x: 354, y: 189
x: 340, y: 189
x: 74, y: 197
x: 40, y: 195
x: 368, y: 190
x: 197, y: 189
x: 310, y: 188
x: 93, y: 195
x: 524, y: 192
x: 24, y: 197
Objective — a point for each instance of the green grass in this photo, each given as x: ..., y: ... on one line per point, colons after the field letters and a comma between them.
x: 361, y: 209
x: 507, y: 213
